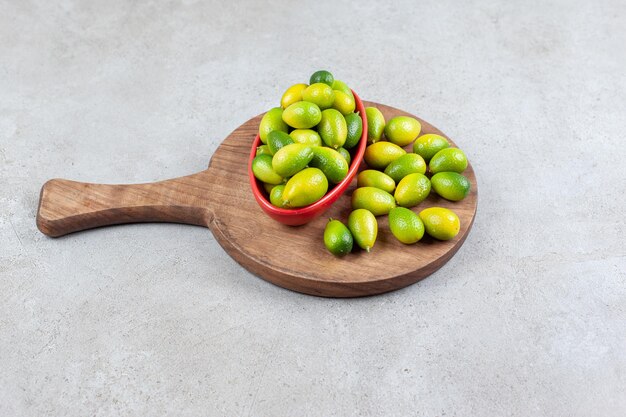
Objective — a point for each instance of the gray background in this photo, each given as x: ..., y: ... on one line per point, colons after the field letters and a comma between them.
x: 527, y: 319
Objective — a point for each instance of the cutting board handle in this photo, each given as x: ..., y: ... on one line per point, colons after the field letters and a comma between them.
x: 69, y: 206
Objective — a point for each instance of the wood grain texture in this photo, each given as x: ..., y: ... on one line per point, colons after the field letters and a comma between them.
x: 291, y: 257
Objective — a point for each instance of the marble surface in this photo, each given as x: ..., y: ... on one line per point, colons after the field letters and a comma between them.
x: 528, y: 319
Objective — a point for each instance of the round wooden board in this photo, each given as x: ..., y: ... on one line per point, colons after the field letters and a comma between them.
x: 295, y: 257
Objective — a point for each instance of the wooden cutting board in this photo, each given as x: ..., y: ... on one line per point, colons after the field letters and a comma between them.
x: 220, y: 198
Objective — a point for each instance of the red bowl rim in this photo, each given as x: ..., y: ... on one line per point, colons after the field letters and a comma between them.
x: 330, y: 197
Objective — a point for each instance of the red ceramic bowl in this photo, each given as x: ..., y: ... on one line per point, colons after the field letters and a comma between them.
x: 303, y: 215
